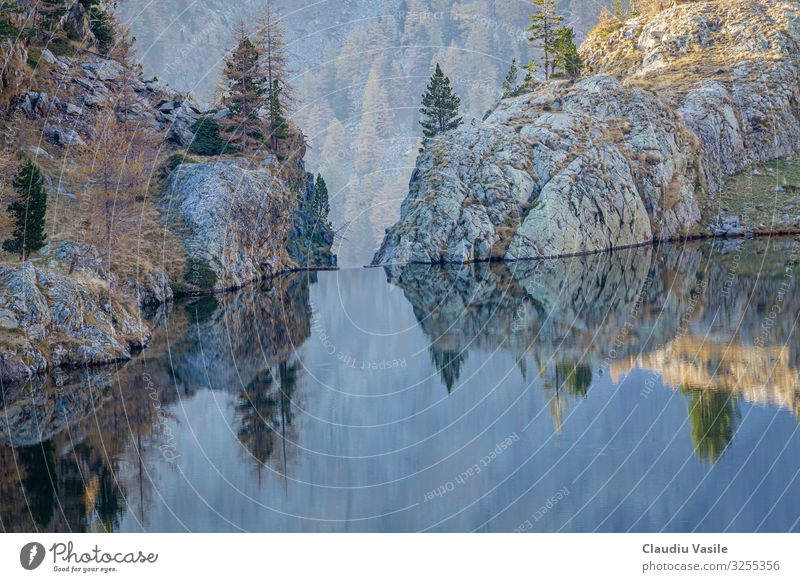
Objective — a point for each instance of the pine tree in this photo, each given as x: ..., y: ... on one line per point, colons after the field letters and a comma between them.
x: 544, y: 31
x: 566, y: 56
x: 320, y: 205
x: 528, y: 82
x: 618, y: 11
x: 207, y: 141
x: 102, y: 26
x: 510, y: 82
x: 245, y: 92
x: 49, y: 14
x: 271, y: 38
x: 439, y: 106
x: 278, y: 126
x: 27, y: 212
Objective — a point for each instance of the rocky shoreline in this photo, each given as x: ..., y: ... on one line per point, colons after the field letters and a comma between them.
x: 633, y: 153
x: 203, y: 223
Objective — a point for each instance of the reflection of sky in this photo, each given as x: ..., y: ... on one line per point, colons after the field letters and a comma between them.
x: 368, y: 446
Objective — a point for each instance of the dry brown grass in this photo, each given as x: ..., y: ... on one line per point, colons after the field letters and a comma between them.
x: 672, y: 194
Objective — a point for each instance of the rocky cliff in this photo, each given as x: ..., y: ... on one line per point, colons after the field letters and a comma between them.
x: 49, y: 320
x: 186, y: 224
x: 236, y: 221
x: 675, y: 102
x: 361, y: 68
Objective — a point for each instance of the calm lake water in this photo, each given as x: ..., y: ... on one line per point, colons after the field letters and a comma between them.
x: 650, y: 389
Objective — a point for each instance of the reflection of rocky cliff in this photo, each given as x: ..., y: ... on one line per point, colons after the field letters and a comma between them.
x: 697, y: 314
x: 229, y: 340
x: 62, y: 442
x: 763, y: 375
x: 62, y: 437
x: 572, y: 305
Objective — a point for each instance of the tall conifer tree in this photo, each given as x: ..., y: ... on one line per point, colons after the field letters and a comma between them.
x: 271, y: 40
x: 245, y: 92
x: 27, y: 212
x: 545, y: 23
x: 566, y: 57
x: 439, y: 106
x: 320, y: 204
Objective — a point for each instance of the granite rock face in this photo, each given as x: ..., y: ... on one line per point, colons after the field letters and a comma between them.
x: 233, y: 219
x: 51, y: 320
x: 628, y: 155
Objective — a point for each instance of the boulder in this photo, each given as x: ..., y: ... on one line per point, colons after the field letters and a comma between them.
x: 180, y: 134
x: 103, y: 69
x: 62, y: 136
x: 48, y: 57
x: 77, y: 23
x: 51, y: 320
x: 34, y: 104
x: 232, y: 220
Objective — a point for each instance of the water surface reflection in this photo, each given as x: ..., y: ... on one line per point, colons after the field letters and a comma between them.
x: 649, y: 389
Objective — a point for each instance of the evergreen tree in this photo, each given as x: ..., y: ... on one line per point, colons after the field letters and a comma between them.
x: 27, y: 212
x: 49, y: 14
x: 207, y: 141
x: 320, y: 205
x: 545, y: 23
x: 566, y: 56
x: 278, y: 126
x: 510, y: 82
x: 245, y: 92
x: 102, y: 26
x: 528, y: 82
x: 618, y: 11
x: 271, y: 40
x: 439, y: 106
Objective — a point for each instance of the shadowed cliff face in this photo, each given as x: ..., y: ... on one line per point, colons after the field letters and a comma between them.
x: 716, y: 318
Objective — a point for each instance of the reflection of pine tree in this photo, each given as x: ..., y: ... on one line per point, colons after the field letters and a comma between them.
x: 38, y: 465
x: 714, y: 416
x: 89, y: 490
x: 256, y: 408
x: 449, y: 364
x: 567, y: 379
x: 576, y: 378
x: 265, y: 411
x: 13, y: 509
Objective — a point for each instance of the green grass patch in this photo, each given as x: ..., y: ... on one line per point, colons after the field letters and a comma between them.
x: 200, y: 274
x: 760, y: 196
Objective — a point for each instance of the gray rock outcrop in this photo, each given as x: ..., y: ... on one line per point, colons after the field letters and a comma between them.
x: 626, y: 156
x: 50, y: 320
x: 232, y: 219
